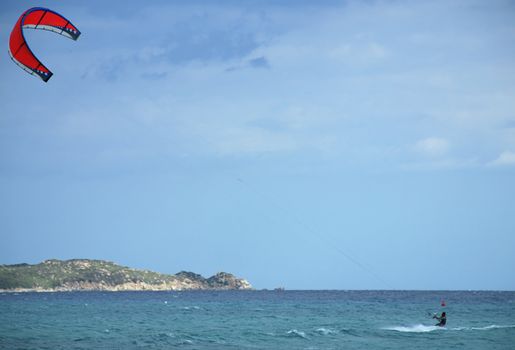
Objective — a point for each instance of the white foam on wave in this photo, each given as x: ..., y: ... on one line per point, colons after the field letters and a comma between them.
x: 325, y: 331
x: 294, y: 332
x: 486, y: 328
x: 191, y: 308
x: 419, y: 328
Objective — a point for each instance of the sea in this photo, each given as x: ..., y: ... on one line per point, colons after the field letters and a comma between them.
x: 257, y: 320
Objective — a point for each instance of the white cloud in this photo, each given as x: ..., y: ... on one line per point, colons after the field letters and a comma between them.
x: 505, y: 158
x: 432, y: 146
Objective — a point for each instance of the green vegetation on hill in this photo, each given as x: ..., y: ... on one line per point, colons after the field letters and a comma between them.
x: 85, y: 274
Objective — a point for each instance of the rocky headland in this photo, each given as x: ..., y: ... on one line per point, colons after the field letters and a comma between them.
x: 99, y: 275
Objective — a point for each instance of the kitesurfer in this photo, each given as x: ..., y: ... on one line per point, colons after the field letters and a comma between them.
x: 442, y: 319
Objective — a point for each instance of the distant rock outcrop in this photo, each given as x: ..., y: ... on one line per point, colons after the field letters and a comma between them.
x: 223, y: 280
x: 100, y: 275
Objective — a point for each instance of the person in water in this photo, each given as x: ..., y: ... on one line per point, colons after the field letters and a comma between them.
x: 442, y: 320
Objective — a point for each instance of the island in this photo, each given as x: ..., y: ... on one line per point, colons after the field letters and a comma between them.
x: 99, y: 275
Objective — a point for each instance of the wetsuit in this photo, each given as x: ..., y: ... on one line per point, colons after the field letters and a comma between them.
x: 442, y: 319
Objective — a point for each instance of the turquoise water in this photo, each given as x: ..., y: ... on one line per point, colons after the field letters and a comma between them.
x: 256, y: 320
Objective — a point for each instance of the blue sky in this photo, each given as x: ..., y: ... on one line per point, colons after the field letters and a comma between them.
x: 304, y: 144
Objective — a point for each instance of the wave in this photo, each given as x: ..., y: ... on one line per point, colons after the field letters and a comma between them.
x: 191, y: 307
x: 486, y: 328
x: 296, y: 333
x: 420, y: 328
x: 325, y: 331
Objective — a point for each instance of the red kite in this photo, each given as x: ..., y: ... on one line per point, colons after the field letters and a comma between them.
x: 37, y: 18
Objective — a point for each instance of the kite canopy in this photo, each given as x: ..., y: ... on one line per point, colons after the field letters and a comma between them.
x: 37, y: 18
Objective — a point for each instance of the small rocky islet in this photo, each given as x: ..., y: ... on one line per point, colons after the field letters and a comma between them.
x: 99, y: 275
